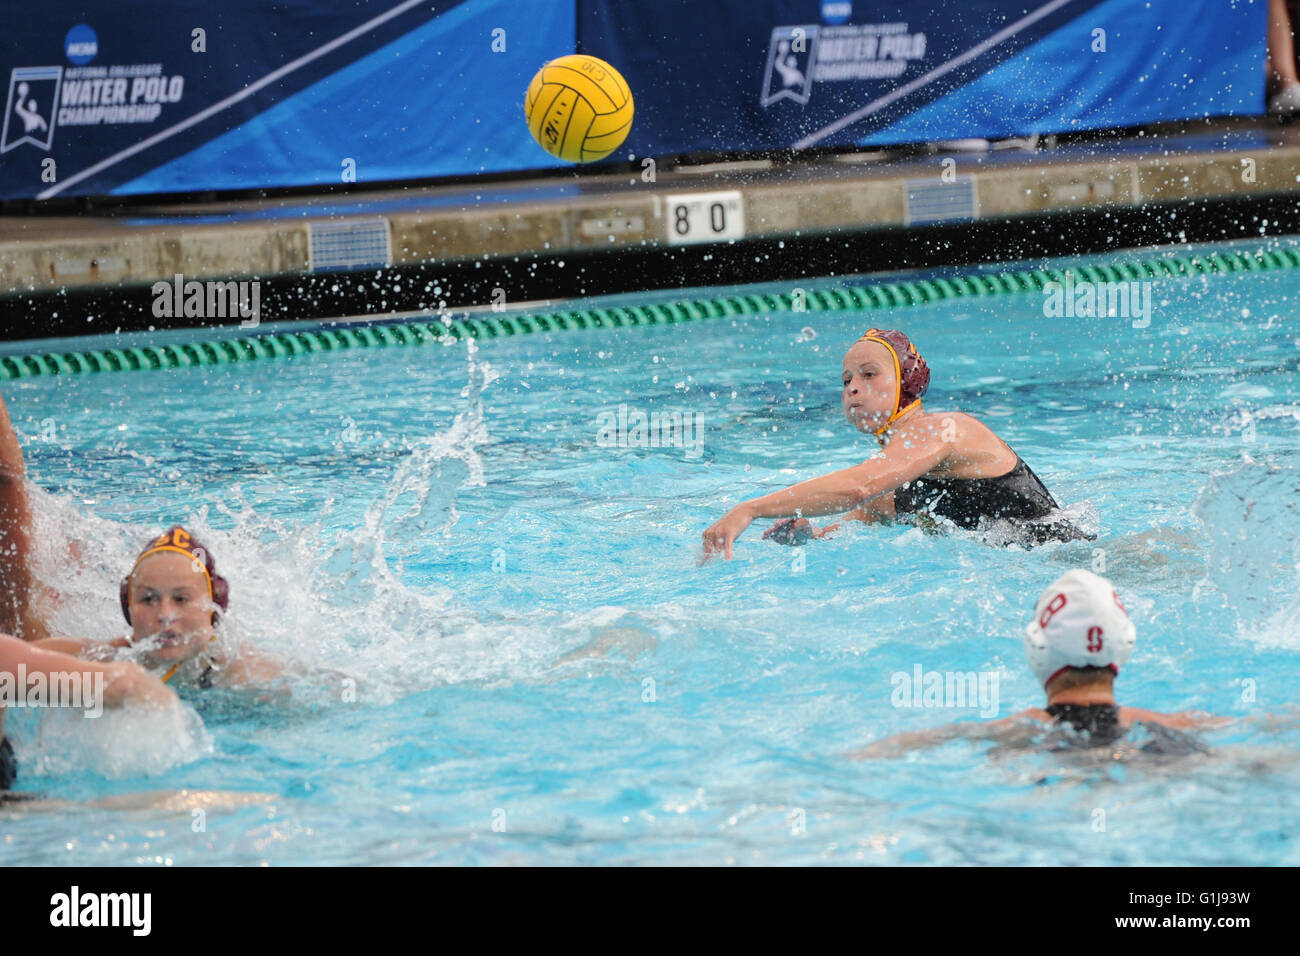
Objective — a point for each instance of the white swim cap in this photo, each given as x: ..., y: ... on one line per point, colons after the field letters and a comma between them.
x: 1078, y: 622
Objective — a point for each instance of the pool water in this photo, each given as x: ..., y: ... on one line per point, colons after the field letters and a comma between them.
x: 516, y: 657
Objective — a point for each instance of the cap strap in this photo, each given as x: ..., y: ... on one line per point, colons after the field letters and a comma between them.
x: 898, y: 380
x: 172, y: 670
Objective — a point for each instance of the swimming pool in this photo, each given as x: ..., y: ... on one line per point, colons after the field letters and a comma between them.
x: 543, y: 673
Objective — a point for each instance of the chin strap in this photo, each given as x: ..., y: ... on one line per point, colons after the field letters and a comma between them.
x: 898, y: 383
x: 896, y: 416
x: 175, y: 667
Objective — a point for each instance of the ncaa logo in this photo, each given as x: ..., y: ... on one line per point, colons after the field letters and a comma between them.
x: 81, y: 45
x: 836, y: 11
x: 29, y: 107
x: 789, y: 64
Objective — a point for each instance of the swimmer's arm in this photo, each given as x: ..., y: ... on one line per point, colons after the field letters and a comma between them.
x: 123, y: 682
x: 17, y: 613
x: 797, y: 531
x: 840, y: 491
x: 80, y: 646
x: 1187, y: 720
x: 11, y: 452
x: 910, y: 740
x: 73, y: 646
x: 873, y: 512
x: 1022, y: 718
x: 850, y: 489
x: 903, y: 743
x: 255, y: 671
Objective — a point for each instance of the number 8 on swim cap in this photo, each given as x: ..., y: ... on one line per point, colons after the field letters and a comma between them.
x: 1078, y: 622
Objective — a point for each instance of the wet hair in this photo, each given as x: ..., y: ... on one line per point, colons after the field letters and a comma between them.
x: 1073, y: 677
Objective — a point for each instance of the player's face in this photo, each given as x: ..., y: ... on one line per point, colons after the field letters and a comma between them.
x: 869, y: 385
x: 170, y: 602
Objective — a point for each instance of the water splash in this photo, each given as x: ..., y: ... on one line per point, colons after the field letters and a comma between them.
x: 354, y: 605
x: 121, y: 743
x: 1251, y: 522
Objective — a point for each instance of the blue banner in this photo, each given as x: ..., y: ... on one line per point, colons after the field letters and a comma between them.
x: 143, y: 98
x: 775, y: 74
x: 247, y: 94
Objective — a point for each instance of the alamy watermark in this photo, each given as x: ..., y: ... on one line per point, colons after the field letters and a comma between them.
x: 1070, y: 299
x: 633, y: 428
x: 128, y: 910
x: 208, y: 300
x: 83, y: 691
x: 923, y: 688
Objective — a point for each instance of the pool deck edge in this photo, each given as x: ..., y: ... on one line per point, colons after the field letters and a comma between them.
x: 617, y: 212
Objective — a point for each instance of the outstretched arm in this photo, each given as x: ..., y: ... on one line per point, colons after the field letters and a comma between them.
x: 124, y: 682
x: 17, y: 594
x: 797, y: 531
x: 82, y: 647
x: 838, y: 492
x: 1186, y: 720
x: 900, y: 744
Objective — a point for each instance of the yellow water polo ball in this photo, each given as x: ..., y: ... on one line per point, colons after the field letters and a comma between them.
x: 579, y: 108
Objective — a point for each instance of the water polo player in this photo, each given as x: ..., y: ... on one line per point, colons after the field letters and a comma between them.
x: 1076, y: 642
x: 172, y: 597
x: 1079, y: 636
x: 935, y: 467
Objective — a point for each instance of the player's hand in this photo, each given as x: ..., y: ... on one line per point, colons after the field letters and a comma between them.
x: 721, y: 535
x: 129, y: 683
x: 791, y: 531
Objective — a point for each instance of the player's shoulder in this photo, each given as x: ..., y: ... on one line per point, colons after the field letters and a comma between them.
x: 960, y: 431
x: 1033, y: 713
x: 1127, y: 715
x: 937, y: 421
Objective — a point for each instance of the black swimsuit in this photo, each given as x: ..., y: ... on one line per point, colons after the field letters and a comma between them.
x: 8, y: 774
x: 1099, y: 721
x: 8, y: 764
x: 1018, y: 496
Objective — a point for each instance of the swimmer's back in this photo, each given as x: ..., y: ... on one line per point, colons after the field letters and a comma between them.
x: 985, y: 479
x: 1128, y: 716
x: 1018, y: 498
x: 1018, y: 494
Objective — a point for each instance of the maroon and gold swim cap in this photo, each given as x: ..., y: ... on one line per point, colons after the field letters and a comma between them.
x: 911, y: 374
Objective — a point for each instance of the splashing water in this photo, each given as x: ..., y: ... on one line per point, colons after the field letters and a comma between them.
x: 1252, y: 555
x: 354, y: 605
x: 122, y: 743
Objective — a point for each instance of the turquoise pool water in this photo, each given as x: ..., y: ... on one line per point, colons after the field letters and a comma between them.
x: 543, y: 673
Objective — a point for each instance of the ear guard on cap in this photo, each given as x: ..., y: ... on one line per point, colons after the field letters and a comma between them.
x: 124, y: 594
x: 911, y: 373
